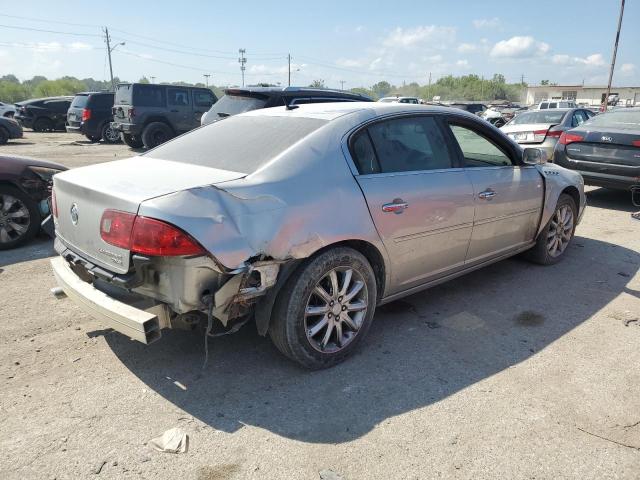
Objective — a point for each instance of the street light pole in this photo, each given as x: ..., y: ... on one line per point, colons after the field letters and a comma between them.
x: 242, y: 60
x: 289, y: 60
x: 110, y: 49
x: 613, y: 60
x: 206, y: 77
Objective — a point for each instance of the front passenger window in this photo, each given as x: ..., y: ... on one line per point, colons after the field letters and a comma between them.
x: 477, y: 150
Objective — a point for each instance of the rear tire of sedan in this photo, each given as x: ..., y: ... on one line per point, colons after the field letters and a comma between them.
x: 325, y: 309
x: 19, y: 217
x: 131, y: 141
x: 155, y: 134
x: 555, y: 237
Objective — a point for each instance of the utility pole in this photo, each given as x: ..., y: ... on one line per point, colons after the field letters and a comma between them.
x: 242, y: 60
x: 482, y: 88
x: 108, y: 40
x: 289, y: 60
x: 523, y: 98
x: 206, y: 78
x: 341, y: 84
x: 613, y: 60
x: 429, y: 89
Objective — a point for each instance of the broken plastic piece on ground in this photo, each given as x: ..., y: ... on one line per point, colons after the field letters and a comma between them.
x: 174, y: 440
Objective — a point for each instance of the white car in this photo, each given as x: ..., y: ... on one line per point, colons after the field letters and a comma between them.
x: 7, y: 110
x: 413, y: 100
x: 557, y: 104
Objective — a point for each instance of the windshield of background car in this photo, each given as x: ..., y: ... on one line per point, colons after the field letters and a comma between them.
x: 239, y: 144
x: 546, y: 116
x: 234, y: 104
x: 621, y: 119
x: 80, y: 101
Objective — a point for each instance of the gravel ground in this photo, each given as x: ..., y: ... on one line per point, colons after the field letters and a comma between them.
x: 513, y: 371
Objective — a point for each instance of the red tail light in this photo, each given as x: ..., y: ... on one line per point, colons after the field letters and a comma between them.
x: 554, y: 133
x: 146, y: 236
x: 636, y: 143
x: 54, y: 204
x: 131, y: 112
x: 86, y: 114
x: 539, y: 135
x: 567, y: 138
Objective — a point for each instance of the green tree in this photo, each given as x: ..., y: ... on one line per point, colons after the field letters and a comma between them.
x: 319, y: 83
x: 381, y: 89
x: 544, y: 82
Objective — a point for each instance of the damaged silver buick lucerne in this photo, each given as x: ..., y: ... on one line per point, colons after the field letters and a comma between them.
x: 303, y: 219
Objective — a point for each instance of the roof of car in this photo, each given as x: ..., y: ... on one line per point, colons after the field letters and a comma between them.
x: 331, y: 111
x: 103, y: 92
x: 45, y: 99
x: 268, y: 90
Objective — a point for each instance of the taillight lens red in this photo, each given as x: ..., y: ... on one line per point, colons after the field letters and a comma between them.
x: 554, y: 133
x: 146, y: 236
x: 539, y: 135
x: 86, y: 114
x: 116, y: 228
x: 636, y: 143
x: 54, y: 204
x: 132, y: 112
x: 567, y: 138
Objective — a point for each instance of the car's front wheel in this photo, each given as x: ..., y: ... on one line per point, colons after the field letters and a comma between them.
x: 325, y: 309
x: 19, y: 217
x: 556, y: 236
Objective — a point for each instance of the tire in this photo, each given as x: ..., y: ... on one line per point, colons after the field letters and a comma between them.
x: 42, y: 125
x: 19, y: 217
x: 302, y: 335
x: 92, y: 139
x: 566, y: 213
x: 155, y: 134
x: 130, y: 140
x: 108, y: 134
x: 4, y: 136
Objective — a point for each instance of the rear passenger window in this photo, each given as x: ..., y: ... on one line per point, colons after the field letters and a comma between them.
x: 477, y: 150
x: 148, y: 96
x: 178, y: 97
x: 364, y: 155
x: 409, y: 144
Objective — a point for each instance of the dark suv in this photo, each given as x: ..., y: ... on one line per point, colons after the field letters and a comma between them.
x: 43, y: 114
x: 149, y: 115
x: 90, y: 114
x: 239, y: 100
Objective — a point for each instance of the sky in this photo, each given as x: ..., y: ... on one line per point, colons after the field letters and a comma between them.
x: 355, y: 42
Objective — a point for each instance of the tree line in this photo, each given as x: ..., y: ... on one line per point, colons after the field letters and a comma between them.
x: 466, y: 87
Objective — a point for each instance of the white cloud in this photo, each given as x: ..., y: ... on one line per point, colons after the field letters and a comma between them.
x: 519, y: 47
x: 594, y: 60
x: 467, y: 47
x: 463, y: 64
x: 628, y: 68
x: 487, y: 22
x: 433, y: 59
x: 410, y: 37
x: 349, y: 63
x: 79, y: 46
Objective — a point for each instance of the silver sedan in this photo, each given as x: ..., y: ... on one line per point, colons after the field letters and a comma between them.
x: 303, y: 220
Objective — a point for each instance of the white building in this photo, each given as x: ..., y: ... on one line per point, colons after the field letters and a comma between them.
x: 582, y: 94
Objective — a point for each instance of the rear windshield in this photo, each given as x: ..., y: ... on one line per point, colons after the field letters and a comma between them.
x: 234, y: 104
x: 123, y: 94
x: 628, y: 120
x: 547, y: 116
x: 80, y: 101
x: 238, y: 144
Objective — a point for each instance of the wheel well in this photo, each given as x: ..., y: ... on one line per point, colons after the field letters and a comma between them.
x: 373, y: 256
x: 573, y: 193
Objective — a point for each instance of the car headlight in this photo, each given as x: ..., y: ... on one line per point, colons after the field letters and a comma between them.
x: 45, y: 173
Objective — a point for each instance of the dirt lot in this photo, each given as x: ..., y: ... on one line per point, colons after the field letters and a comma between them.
x: 514, y: 371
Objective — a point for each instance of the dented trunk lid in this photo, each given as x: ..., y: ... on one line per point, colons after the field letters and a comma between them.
x: 83, y: 194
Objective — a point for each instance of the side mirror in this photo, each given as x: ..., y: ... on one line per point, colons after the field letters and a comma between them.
x: 534, y: 156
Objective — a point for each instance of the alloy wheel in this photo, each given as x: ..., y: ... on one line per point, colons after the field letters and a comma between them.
x: 560, y: 231
x: 336, y: 309
x: 14, y: 218
x: 111, y: 135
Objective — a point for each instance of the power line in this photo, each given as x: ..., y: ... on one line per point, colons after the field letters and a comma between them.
x: 49, y: 21
x: 51, y: 31
x: 44, y: 46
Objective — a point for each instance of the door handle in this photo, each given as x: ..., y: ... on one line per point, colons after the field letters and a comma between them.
x: 397, y: 206
x: 488, y: 194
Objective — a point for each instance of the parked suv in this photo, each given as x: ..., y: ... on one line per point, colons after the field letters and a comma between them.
x: 43, y: 114
x: 240, y: 100
x: 90, y: 114
x: 148, y: 115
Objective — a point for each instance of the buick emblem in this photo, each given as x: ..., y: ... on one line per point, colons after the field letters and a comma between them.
x: 606, y: 139
x: 74, y: 214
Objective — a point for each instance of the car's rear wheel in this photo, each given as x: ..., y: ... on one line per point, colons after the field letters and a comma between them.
x: 325, y: 309
x: 554, y: 239
x: 42, y: 125
x: 155, y: 134
x: 4, y: 136
x: 130, y: 140
x: 110, y: 135
x: 19, y: 217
